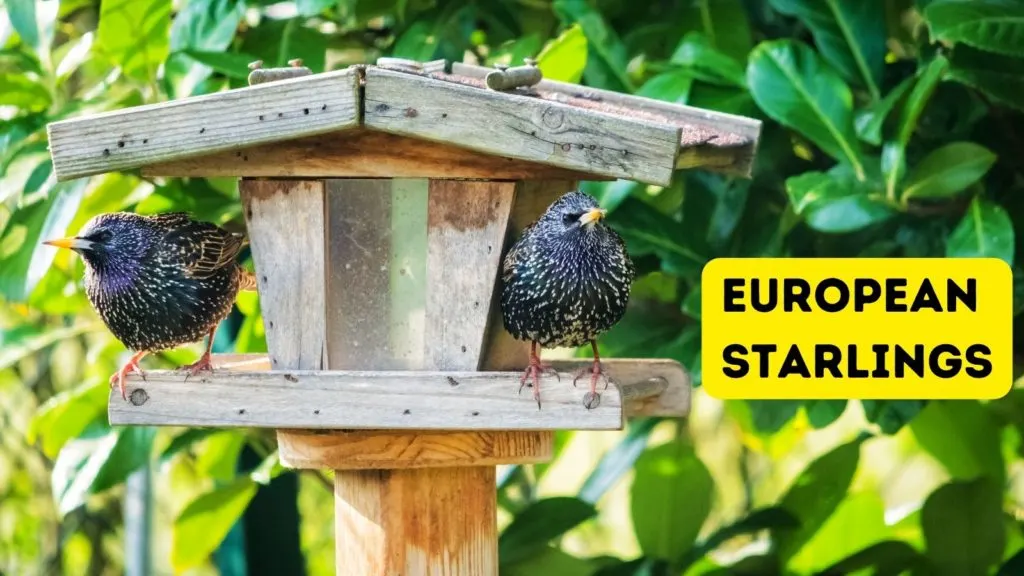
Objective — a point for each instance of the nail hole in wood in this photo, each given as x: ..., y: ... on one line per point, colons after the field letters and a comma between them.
x: 475, y: 413
x: 452, y: 381
x: 145, y: 140
x: 280, y: 114
x: 241, y: 411
x: 463, y: 348
x: 305, y: 110
x: 317, y: 411
x: 120, y: 144
x: 261, y: 117
x: 201, y: 130
x: 248, y: 214
x: 407, y: 412
x: 264, y: 278
x: 444, y: 115
x: 106, y: 151
x: 290, y: 378
x: 324, y: 107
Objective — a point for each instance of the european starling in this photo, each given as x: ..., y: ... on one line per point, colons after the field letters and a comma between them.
x: 565, y: 282
x: 159, y: 281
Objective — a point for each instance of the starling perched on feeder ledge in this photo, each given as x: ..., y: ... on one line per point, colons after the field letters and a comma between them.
x: 566, y: 281
x: 159, y: 281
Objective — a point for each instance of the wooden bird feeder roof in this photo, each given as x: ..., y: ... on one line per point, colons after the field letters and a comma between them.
x: 372, y: 121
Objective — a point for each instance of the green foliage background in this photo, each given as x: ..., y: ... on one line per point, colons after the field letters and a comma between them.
x: 892, y: 128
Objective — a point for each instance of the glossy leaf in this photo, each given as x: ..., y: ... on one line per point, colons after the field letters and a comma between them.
x: 773, y: 518
x: 984, y: 231
x: 821, y: 413
x: 999, y: 77
x: 894, y: 157
x: 892, y: 415
x: 135, y: 35
x: 618, y: 461
x: 606, y: 55
x: 769, y: 416
x: 565, y: 57
x: 796, y: 88
x: 858, y: 522
x: 22, y: 14
x: 21, y: 91
x: 963, y: 437
x: 206, y: 26
x: 647, y: 231
x: 65, y: 415
x: 671, y: 86
x: 723, y: 22
x: 545, y: 520
x: 98, y: 461
x: 701, y: 59
x: 15, y: 345
x: 231, y: 64
x: 835, y: 204
x: 948, y: 170
x: 888, y: 557
x: 815, y: 495
x: 850, y: 35
x: 670, y: 499
x: 993, y: 25
x: 963, y: 527
x: 185, y: 440
x: 205, y: 521
x: 869, y: 121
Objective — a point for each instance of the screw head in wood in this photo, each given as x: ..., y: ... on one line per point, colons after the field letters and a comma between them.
x: 138, y: 397
x: 256, y: 65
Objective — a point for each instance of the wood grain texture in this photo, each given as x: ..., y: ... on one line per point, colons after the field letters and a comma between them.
x: 648, y: 386
x: 715, y: 141
x: 503, y: 352
x: 446, y: 516
x: 285, y: 222
x: 517, y: 127
x: 361, y: 153
x: 401, y: 400
x: 394, y: 450
x: 466, y: 227
x: 230, y: 120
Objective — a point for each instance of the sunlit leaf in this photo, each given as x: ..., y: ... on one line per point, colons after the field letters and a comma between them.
x: 550, y: 562
x: 14, y: 346
x: 671, y: 86
x: 231, y: 64
x: 541, y: 522
x: 948, y: 170
x: 670, y: 499
x: 963, y: 437
x: 821, y: 413
x: 891, y: 415
x: 23, y: 17
x: 963, y: 527
x: 606, y: 55
x: 994, y: 25
x: 889, y: 557
x: 757, y: 521
x: 207, y: 26
x: 98, y: 461
x: 835, y: 204
x: 858, y: 522
x: 204, y: 523
x: 65, y: 415
x: 135, y: 35
x: 21, y: 91
x: 618, y: 461
x: 564, y: 57
x: 869, y: 121
x: 985, y: 231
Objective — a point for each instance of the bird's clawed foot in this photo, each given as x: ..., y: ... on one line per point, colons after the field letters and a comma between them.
x: 531, y: 377
x: 596, y: 371
x: 203, y: 364
x: 117, y: 378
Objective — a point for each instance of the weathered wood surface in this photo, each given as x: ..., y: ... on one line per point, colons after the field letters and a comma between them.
x: 361, y: 400
x: 711, y: 140
x: 362, y: 153
x: 399, y: 449
x: 646, y: 386
x: 434, y: 510
x: 231, y: 120
x: 517, y: 127
x: 466, y: 227
x: 285, y: 222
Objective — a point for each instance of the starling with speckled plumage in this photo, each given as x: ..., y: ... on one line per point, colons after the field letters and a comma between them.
x: 566, y: 281
x: 159, y: 281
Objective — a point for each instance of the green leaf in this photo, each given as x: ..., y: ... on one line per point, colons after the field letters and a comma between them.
x: 230, y: 64
x: 792, y: 85
x: 183, y: 441
x: 985, y: 231
x: 948, y: 170
x: 850, y: 35
x: 98, y: 461
x: 564, y: 57
x: 21, y: 91
x: 135, y: 35
x: 204, y: 523
x: 48, y: 218
x: 550, y: 562
x: 65, y: 415
x: 607, y: 56
x: 993, y: 25
x: 888, y: 557
x: 963, y: 437
x: 647, y: 231
x: 696, y: 54
x: 756, y: 521
x: 16, y: 345
x: 1000, y: 77
x: 206, y: 26
x: 313, y: 7
x: 891, y: 415
x: 671, y: 86
x: 815, y: 495
x: 217, y: 455
x: 278, y: 41
x: 268, y: 469
x: 670, y: 499
x: 1013, y: 565
x: 858, y: 522
x: 835, y: 204
x: 769, y: 416
x: 963, y: 527
x: 868, y: 122
x: 723, y: 22
x: 543, y: 521
x: 821, y: 413
x: 22, y: 14
x: 893, y: 160
x: 618, y: 461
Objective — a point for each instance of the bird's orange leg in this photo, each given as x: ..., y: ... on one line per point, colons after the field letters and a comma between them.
x: 533, y: 371
x: 132, y: 365
x: 205, y: 361
x: 596, y: 371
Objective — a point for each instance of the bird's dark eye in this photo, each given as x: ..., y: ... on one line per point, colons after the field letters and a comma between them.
x: 101, y: 236
x: 570, y: 219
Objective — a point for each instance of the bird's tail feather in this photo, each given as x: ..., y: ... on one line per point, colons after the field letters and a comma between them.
x: 247, y: 281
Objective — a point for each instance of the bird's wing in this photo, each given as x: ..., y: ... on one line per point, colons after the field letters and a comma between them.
x: 204, y: 248
x: 512, y: 257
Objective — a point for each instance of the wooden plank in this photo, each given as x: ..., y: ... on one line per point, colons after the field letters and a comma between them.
x: 438, y: 512
x: 520, y: 127
x: 393, y: 400
x: 361, y: 153
x: 648, y: 386
x: 404, y: 450
x: 711, y: 140
x: 466, y: 227
x: 531, y: 199
x: 201, y: 125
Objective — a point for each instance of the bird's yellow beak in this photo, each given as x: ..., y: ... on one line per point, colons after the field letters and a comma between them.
x: 593, y: 216
x: 69, y: 243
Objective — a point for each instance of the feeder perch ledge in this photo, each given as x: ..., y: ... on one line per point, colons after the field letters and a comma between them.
x: 379, y: 201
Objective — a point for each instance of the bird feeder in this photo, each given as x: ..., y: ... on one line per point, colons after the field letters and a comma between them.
x: 379, y: 201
